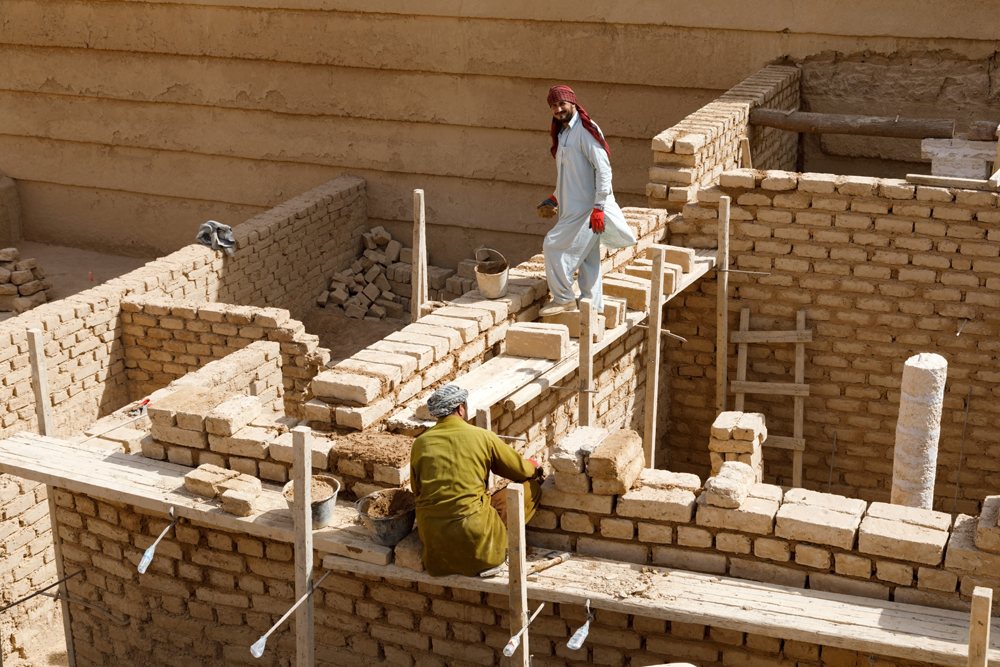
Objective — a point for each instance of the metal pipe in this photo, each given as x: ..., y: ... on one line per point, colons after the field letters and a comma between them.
x: 40, y: 591
x: 257, y: 649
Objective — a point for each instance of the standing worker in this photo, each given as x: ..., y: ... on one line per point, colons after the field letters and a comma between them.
x: 450, y: 464
x: 585, y: 203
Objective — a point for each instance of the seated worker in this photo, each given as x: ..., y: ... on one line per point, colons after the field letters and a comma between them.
x: 450, y: 465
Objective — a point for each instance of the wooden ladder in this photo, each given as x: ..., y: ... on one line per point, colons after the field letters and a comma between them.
x: 798, y: 389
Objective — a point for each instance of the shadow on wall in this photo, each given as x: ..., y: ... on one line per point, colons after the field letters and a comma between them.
x: 10, y: 213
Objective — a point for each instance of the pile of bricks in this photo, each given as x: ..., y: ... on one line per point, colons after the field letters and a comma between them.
x: 738, y: 436
x: 22, y: 282
x: 237, y: 491
x: 691, y: 155
x: 377, y: 284
x: 589, y: 459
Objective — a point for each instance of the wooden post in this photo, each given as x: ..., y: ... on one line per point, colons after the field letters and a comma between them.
x: 516, y: 555
x: 799, y: 401
x: 418, y: 269
x: 588, y: 321
x: 979, y: 626
x: 40, y: 382
x: 483, y: 419
x: 722, y: 308
x: 302, y: 501
x: 60, y: 573
x: 746, y: 160
x: 741, y: 358
x: 653, y: 356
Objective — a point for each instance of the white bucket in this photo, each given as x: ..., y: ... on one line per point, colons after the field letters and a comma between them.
x: 493, y: 283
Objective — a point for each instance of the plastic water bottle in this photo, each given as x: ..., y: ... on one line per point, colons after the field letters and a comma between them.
x: 511, y: 646
x: 576, y: 641
x: 147, y: 558
x: 257, y: 649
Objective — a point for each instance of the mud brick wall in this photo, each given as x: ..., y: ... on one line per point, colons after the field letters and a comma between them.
x: 363, y: 391
x: 694, y: 152
x: 26, y: 560
x: 884, y: 270
x: 795, y: 538
x: 209, y: 594
x: 165, y: 339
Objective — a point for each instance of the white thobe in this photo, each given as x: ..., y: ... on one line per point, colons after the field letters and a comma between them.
x: 583, y: 181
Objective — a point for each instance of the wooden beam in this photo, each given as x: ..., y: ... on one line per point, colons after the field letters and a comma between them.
x: 983, y: 130
x: 771, y: 388
x: 771, y: 337
x: 653, y: 343
x: 40, y: 383
x: 950, y: 182
x: 588, y: 323
x: 418, y: 269
x: 302, y: 492
x: 799, y: 401
x: 784, y: 442
x: 741, y: 360
x: 60, y: 573
x: 867, y: 126
x: 484, y: 421
x: 979, y: 626
x: 722, y: 308
x: 517, y: 548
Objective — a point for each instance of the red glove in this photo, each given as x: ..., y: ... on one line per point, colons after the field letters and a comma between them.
x: 533, y: 462
x: 597, y: 221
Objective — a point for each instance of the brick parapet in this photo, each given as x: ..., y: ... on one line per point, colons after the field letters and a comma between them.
x: 692, y: 154
x: 885, y: 270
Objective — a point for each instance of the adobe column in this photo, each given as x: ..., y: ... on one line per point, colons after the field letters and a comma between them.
x: 914, y: 462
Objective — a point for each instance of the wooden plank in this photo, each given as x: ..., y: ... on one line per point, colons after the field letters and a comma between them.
x: 588, y: 323
x: 653, y: 346
x: 302, y: 515
x: 418, y: 272
x: 40, y: 382
x: 950, y: 182
x: 682, y: 257
x: 771, y: 337
x: 799, y: 401
x: 722, y: 308
x: 979, y: 626
x: 771, y: 388
x: 516, y: 555
x: 60, y: 573
x: 784, y: 442
x: 741, y: 361
x: 897, y: 630
x: 866, y: 126
x: 155, y: 486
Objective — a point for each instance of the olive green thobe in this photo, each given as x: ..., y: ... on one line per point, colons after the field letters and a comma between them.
x: 449, y: 468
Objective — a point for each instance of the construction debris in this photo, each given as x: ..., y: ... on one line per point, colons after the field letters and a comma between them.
x: 22, y: 282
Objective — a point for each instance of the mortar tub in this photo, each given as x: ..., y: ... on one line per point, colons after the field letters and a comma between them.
x: 491, y: 273
x: 387, y: 531
x: 322, y: 510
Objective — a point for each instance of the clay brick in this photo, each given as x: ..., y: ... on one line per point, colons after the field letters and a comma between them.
x: 551, y: 497
x: 631, y: 553
x: 906, y: 541
x: 205, y: 480
x: 649, y: 532
x: 567, y: 456
x: 613, y: 456
x: 232, y: 415
x: 578, y: 483
x: 251, y: 441
x: 661, y: 505
x: 854, y: 566
x: 755, y: 515
x: 896, y: 573
x: 576, y: 523
x: 178, y: 436
x: 617, y: 529
x: 819, y: 518
x: 766, y: 573
x: 537, y: 340
x: 812, y: 557
x: 732, y: 543
x: 834, y: 584
x: 340, y: 386
x: 665, y: 479
x: 929, y: 578
x: 731, y: 486
x: 776, y: 550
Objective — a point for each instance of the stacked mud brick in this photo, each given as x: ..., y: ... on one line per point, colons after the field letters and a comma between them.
x: 737, y: 526
x: 210, y: 593
x: 691, y: 155
x: 738, y: 436
x: 377, y: 284
x: 235, y: 490
x: 594, y: 460
x: 887, y: 269
x: 165, y: 339
x: 22, y: 282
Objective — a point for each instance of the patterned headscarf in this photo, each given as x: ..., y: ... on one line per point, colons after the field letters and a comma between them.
x: 445, y: 400
x: 566, y: 94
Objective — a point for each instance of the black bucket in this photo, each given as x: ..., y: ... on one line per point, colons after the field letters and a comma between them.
x: 387, y: 531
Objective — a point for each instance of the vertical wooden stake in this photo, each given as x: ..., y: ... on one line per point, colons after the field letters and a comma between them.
x: 799, y: 401
x: 40, y: 382
x: 979, y: 626
x: 588, y: 322
x: 60, y: 573
x: 302, y: 500
x: 418, y: 270
x: 722, y: 308
x: 483, y: 421
x: 653, y: 356
x: 746, y: 162
x: 516, y: 556
x: 741, y: 358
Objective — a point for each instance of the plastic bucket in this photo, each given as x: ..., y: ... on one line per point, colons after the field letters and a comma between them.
x: 491, y: 273
x: 389, y: 530
x: 322, y: 510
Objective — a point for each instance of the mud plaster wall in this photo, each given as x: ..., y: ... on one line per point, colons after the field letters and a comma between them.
x: 912, y: 83
x: 118, y: 112
x: 885, y: 270
x: 26, y: 560
x: 208, y: 595
x: 10, y: 212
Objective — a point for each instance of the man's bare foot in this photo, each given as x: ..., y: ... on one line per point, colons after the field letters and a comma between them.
x: 555, y: 308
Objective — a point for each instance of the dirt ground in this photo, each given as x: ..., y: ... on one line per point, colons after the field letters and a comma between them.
x: 69, y: 268
x: 45, y: 646
x: 344, y: 336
